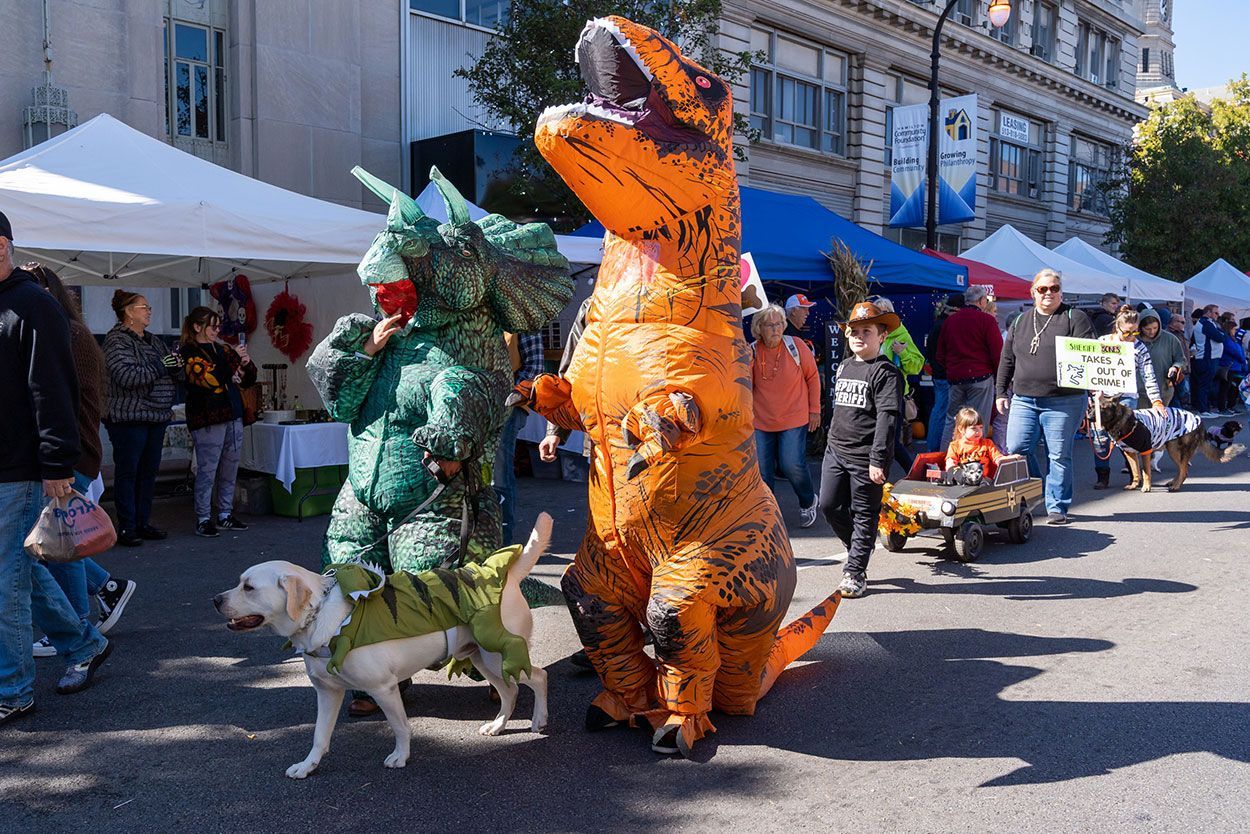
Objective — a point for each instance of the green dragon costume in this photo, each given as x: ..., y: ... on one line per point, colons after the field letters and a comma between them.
x: 438, y: 387
x: 407, y: 605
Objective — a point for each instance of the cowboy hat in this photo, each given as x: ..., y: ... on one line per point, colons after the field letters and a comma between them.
x: 866, y: 312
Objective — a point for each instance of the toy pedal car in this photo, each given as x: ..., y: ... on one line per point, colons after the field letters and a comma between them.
x: 1005, y: 499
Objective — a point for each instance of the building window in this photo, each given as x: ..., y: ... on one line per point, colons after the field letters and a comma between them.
x: 1097, y: 55
x: 182, y: 301
x: 195, y: 81
x: 1145, y: 59
x: 1045, y: 24
x: 965, y: 12
x: 490, y: 14
x: 798, y: 96
x: 1007, y: 32
x: 1168, y: 69
x: 1016, y: 156
x: 947, y: 242
x: 1090, y: 169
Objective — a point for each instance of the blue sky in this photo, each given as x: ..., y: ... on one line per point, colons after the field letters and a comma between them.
x: 1211, y: 41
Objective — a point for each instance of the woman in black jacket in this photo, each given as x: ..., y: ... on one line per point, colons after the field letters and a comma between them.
x: 143, y: 376
x: 215, y: 373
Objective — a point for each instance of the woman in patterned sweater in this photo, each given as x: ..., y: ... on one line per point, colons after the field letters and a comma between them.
x: 1125, y: 329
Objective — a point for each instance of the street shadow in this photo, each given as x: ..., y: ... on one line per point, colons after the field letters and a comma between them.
x: 1026, y: 588
x: 1045, y: 544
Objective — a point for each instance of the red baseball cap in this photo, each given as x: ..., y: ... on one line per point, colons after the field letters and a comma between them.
x: 798, y: 300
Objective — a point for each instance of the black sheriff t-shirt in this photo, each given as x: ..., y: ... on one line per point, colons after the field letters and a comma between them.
x: 867, y: 397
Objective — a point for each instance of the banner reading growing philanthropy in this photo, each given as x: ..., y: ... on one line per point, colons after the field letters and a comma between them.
x: 957, y: 162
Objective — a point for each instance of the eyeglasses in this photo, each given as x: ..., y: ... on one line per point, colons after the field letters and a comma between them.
x: 141, y: 306
x: 1128, y: 332
x: 1055, y: 290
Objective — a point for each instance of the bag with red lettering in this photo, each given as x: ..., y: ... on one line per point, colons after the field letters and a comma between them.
x: 70, y: 529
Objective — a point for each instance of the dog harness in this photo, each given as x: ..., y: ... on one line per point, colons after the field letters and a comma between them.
x: 398, y: 605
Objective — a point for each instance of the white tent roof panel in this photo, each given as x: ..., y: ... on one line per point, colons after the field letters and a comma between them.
x: 1014, y: 253
x: 1142, y: 286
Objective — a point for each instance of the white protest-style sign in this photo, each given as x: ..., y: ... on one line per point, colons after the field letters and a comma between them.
x: 1095, y: 365
x: 753, y: 297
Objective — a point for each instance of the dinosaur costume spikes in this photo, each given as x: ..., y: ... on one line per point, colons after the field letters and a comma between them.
x: 457, y: 208
x: 392, y: 196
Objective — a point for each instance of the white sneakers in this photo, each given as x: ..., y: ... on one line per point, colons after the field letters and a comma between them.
x: 807, y: 515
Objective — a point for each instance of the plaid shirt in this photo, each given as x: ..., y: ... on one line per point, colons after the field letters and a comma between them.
x: 531, y: 347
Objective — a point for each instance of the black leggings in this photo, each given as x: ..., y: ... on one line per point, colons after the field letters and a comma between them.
x: 851, y: 503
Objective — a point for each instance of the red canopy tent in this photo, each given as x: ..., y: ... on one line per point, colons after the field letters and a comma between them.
x: 1006, y: 285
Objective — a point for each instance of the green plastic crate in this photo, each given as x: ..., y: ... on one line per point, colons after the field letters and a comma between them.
x: 316, y: 487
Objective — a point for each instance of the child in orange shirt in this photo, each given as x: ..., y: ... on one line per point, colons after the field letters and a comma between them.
x: 969, y: 443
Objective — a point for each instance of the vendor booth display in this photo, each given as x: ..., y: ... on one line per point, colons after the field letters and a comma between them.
x: 238, y: 310
x: 424, y: 390
x: 1016, y: 254
x: 284, y: 321
x: 684, y: 535
x: 1006, y: 286
x: 1142, y: 286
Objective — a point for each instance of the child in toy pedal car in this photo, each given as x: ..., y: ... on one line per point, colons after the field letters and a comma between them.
x: 971, y: 456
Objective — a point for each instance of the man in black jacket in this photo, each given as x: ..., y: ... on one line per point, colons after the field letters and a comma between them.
x: 38, y: 450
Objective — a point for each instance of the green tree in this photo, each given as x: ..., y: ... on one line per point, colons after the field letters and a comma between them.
x: 1184, y: 199
x: 528, y: 66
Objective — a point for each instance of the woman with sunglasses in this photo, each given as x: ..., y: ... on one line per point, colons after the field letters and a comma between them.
x: 1124, y: 328
x: 143, y: 375
x: 1039, y: 406
x: 215, y: 373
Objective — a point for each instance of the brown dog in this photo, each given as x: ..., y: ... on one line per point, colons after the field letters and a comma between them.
x: 1140, y: 434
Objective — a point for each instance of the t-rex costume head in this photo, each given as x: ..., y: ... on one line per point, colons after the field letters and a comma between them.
x: 684, y: 534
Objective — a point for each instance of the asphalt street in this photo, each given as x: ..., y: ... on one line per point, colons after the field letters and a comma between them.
x: 1093, y: 679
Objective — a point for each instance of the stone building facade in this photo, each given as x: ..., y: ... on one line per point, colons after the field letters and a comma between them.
x: 1156, y: 71
x: 1055, y: 92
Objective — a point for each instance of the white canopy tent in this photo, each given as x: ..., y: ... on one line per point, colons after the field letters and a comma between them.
x: 1223, y: 284
x: 106, y: 204
x: 1142, y: 286
x: 1016, y: 254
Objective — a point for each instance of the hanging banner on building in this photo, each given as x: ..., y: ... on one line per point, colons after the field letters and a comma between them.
x: 957, y: 162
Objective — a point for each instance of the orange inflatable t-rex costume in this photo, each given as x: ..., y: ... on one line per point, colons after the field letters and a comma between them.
x: 683, y: 535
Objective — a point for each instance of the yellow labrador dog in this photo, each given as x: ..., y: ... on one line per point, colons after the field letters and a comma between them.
x: 308, y: 609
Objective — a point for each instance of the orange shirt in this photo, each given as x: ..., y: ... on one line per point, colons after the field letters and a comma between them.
x: 981, y: 450
x: 784, y: 393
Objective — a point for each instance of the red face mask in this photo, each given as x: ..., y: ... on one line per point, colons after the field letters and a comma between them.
x: 397, y: 297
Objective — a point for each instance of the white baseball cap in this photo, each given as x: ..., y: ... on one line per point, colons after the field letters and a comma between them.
x: 798, y: 300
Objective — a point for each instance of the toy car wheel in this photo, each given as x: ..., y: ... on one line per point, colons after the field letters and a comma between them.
x: 970, y: 542
x: 1020, y: 528
x: 894, y: 542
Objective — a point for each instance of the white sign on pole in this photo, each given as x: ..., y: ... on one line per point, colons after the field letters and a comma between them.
x: 1096, y: 365
x: 753, y: 296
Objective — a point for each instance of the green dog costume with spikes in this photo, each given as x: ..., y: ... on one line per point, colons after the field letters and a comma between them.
x: 409, y: 605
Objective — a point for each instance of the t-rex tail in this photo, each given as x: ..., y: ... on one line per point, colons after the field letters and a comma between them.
x: 794, y: 640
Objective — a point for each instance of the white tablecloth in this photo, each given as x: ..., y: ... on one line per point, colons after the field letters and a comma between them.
x: 535, y: 429
x: 280, y: 450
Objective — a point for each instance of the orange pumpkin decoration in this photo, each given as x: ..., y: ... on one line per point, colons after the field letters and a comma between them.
x: 918, y: 429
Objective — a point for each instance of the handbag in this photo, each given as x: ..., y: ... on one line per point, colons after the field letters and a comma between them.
x: 910, y: 410
x: 69, y: 529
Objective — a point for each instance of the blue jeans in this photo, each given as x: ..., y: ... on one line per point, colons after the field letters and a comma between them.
x: 937, y: 417
x: 789, y: 449
x: 505, y: 471
x: 28, y: 591
x: 1053, y: 419
x: 1102, y: 441
x: 1203, y: 383
x: 136, y: 460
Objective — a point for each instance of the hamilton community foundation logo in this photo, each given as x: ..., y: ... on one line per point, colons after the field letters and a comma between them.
x: 958, y: 125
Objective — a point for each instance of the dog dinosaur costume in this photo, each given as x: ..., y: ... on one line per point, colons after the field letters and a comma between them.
x: 683, y: 535
x: 437, y: 388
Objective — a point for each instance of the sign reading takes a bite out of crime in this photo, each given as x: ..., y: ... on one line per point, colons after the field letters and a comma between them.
x: 1095, y: 365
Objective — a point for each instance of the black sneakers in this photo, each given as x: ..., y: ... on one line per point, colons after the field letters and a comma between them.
x: 129, y: 538
x: 10, y: 712
x: 230, y: 523
x: 112, y: 600
x: 150, y: 533
x: 206, y: 528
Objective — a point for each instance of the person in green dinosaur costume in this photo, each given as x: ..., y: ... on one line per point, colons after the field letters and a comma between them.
x: 423, y: 390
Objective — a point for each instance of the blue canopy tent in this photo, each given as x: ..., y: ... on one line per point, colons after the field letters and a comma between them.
x: 787, y: 234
